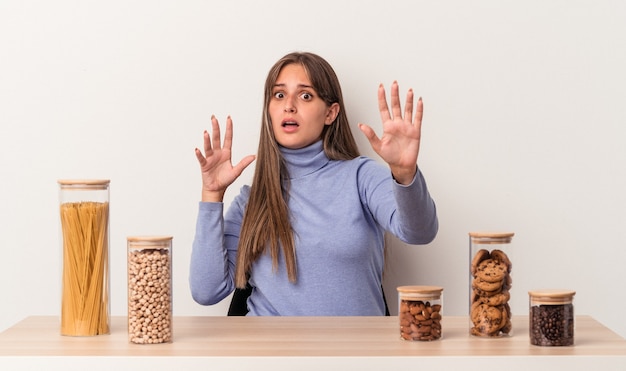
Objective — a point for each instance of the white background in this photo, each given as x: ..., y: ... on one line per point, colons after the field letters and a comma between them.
x: 523, y: 128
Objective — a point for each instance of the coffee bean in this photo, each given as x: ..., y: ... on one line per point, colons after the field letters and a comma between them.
x: 552, y: 325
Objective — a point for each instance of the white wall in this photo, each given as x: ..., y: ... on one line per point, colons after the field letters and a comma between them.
x: 523, y: 129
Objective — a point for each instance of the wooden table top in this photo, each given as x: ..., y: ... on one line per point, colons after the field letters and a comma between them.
x: 299, y: 336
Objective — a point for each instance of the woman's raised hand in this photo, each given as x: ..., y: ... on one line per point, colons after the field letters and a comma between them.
x: 215, y: 164
x: 400, y: 142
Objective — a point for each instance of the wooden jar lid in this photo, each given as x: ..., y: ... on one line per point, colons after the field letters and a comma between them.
x: 552, y: 296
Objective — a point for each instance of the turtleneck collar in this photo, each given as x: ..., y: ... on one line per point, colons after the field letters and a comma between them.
x: 304, y: 161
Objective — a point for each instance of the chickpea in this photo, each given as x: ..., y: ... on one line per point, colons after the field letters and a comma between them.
x: 149, y: 297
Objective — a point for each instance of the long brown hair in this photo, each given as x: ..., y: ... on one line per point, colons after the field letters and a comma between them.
x: 266, y: 219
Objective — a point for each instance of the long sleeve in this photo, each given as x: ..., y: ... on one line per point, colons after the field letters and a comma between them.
x: 408, y: 212
x: 416, y: 213
x: 212, y: 265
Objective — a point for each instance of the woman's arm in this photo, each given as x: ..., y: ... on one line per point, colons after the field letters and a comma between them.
x: 214, y: 247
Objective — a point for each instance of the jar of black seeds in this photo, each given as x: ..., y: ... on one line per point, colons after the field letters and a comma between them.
x: 551, y: 317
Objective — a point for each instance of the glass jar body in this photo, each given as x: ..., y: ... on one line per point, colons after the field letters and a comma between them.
x: 420, y: 312
x: 150, y: 313
x: 490, y: 284
x: 551, y: 317
x: 84, y: 215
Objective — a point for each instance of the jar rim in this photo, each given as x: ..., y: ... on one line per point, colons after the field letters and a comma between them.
x: 148, y: 238
x: 552, y: 293
x: 418, y: 289
x: 149, y: 242
x: 83, y: 184
x: 551, y: 296
x: 485, y: 234
x: 71, y: 182
x: 491, y: 237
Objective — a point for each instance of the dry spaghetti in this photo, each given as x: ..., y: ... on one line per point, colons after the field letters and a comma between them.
x: 85, y: 301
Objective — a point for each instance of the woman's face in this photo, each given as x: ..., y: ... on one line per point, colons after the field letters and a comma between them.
x: 298, y: 114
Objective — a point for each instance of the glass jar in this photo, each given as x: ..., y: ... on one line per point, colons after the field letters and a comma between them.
x: 420, y: 312
x: 551, y: 317
x: 150, y: 289
x: 84, y: 215
x: 490, y: 284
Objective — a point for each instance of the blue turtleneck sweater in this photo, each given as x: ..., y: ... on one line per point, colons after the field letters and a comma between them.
x: 340, y: 211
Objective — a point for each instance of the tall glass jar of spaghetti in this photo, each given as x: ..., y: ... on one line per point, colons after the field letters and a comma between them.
x: 84, y: 215
x: 150, y: 289
x: 490, y: 284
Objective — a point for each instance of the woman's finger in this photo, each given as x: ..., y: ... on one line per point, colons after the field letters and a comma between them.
x: 396, y: 109
x: 371, y: 136
x: 216, y: 142
x: 228, y: 135
x: 408, y: 107
x: 382, y: 104
x: 200, y: 157
x: 207, y: 143
x: 419, y: 113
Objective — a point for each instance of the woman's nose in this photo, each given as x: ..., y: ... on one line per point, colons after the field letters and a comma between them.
x: 290, y: 106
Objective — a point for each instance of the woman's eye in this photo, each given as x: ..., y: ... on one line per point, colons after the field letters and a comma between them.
x: 279, y: 95
x: 306, y: 96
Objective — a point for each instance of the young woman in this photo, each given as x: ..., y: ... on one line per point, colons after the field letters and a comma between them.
x: 308, y: 235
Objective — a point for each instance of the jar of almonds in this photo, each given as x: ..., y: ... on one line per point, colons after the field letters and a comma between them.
x: 420, y: 312
x: 490, y: 284
x: 551, y: 317
x: 150, y: 289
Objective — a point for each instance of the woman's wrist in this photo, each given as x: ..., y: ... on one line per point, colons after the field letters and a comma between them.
x: 404, y: 176
x: 212, y: 196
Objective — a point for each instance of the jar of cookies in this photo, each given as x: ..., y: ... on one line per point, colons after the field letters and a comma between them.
x: 490, y: 284
x: 551, y: 317
x: 150, y: 289
x: 84, y: 215
x: 420, y: 312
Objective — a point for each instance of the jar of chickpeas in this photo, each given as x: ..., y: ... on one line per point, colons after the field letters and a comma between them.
x: 150, y: 289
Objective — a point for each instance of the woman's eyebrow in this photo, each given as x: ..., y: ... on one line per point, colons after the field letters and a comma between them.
x: 300, y: 86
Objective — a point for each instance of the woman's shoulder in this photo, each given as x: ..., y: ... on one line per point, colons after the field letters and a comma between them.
x: 366, y: 169
x: 359, y: 161
x: 241, y: 199
x: 239, y: 203
x: 244, y: 194
x: 369, y: 165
